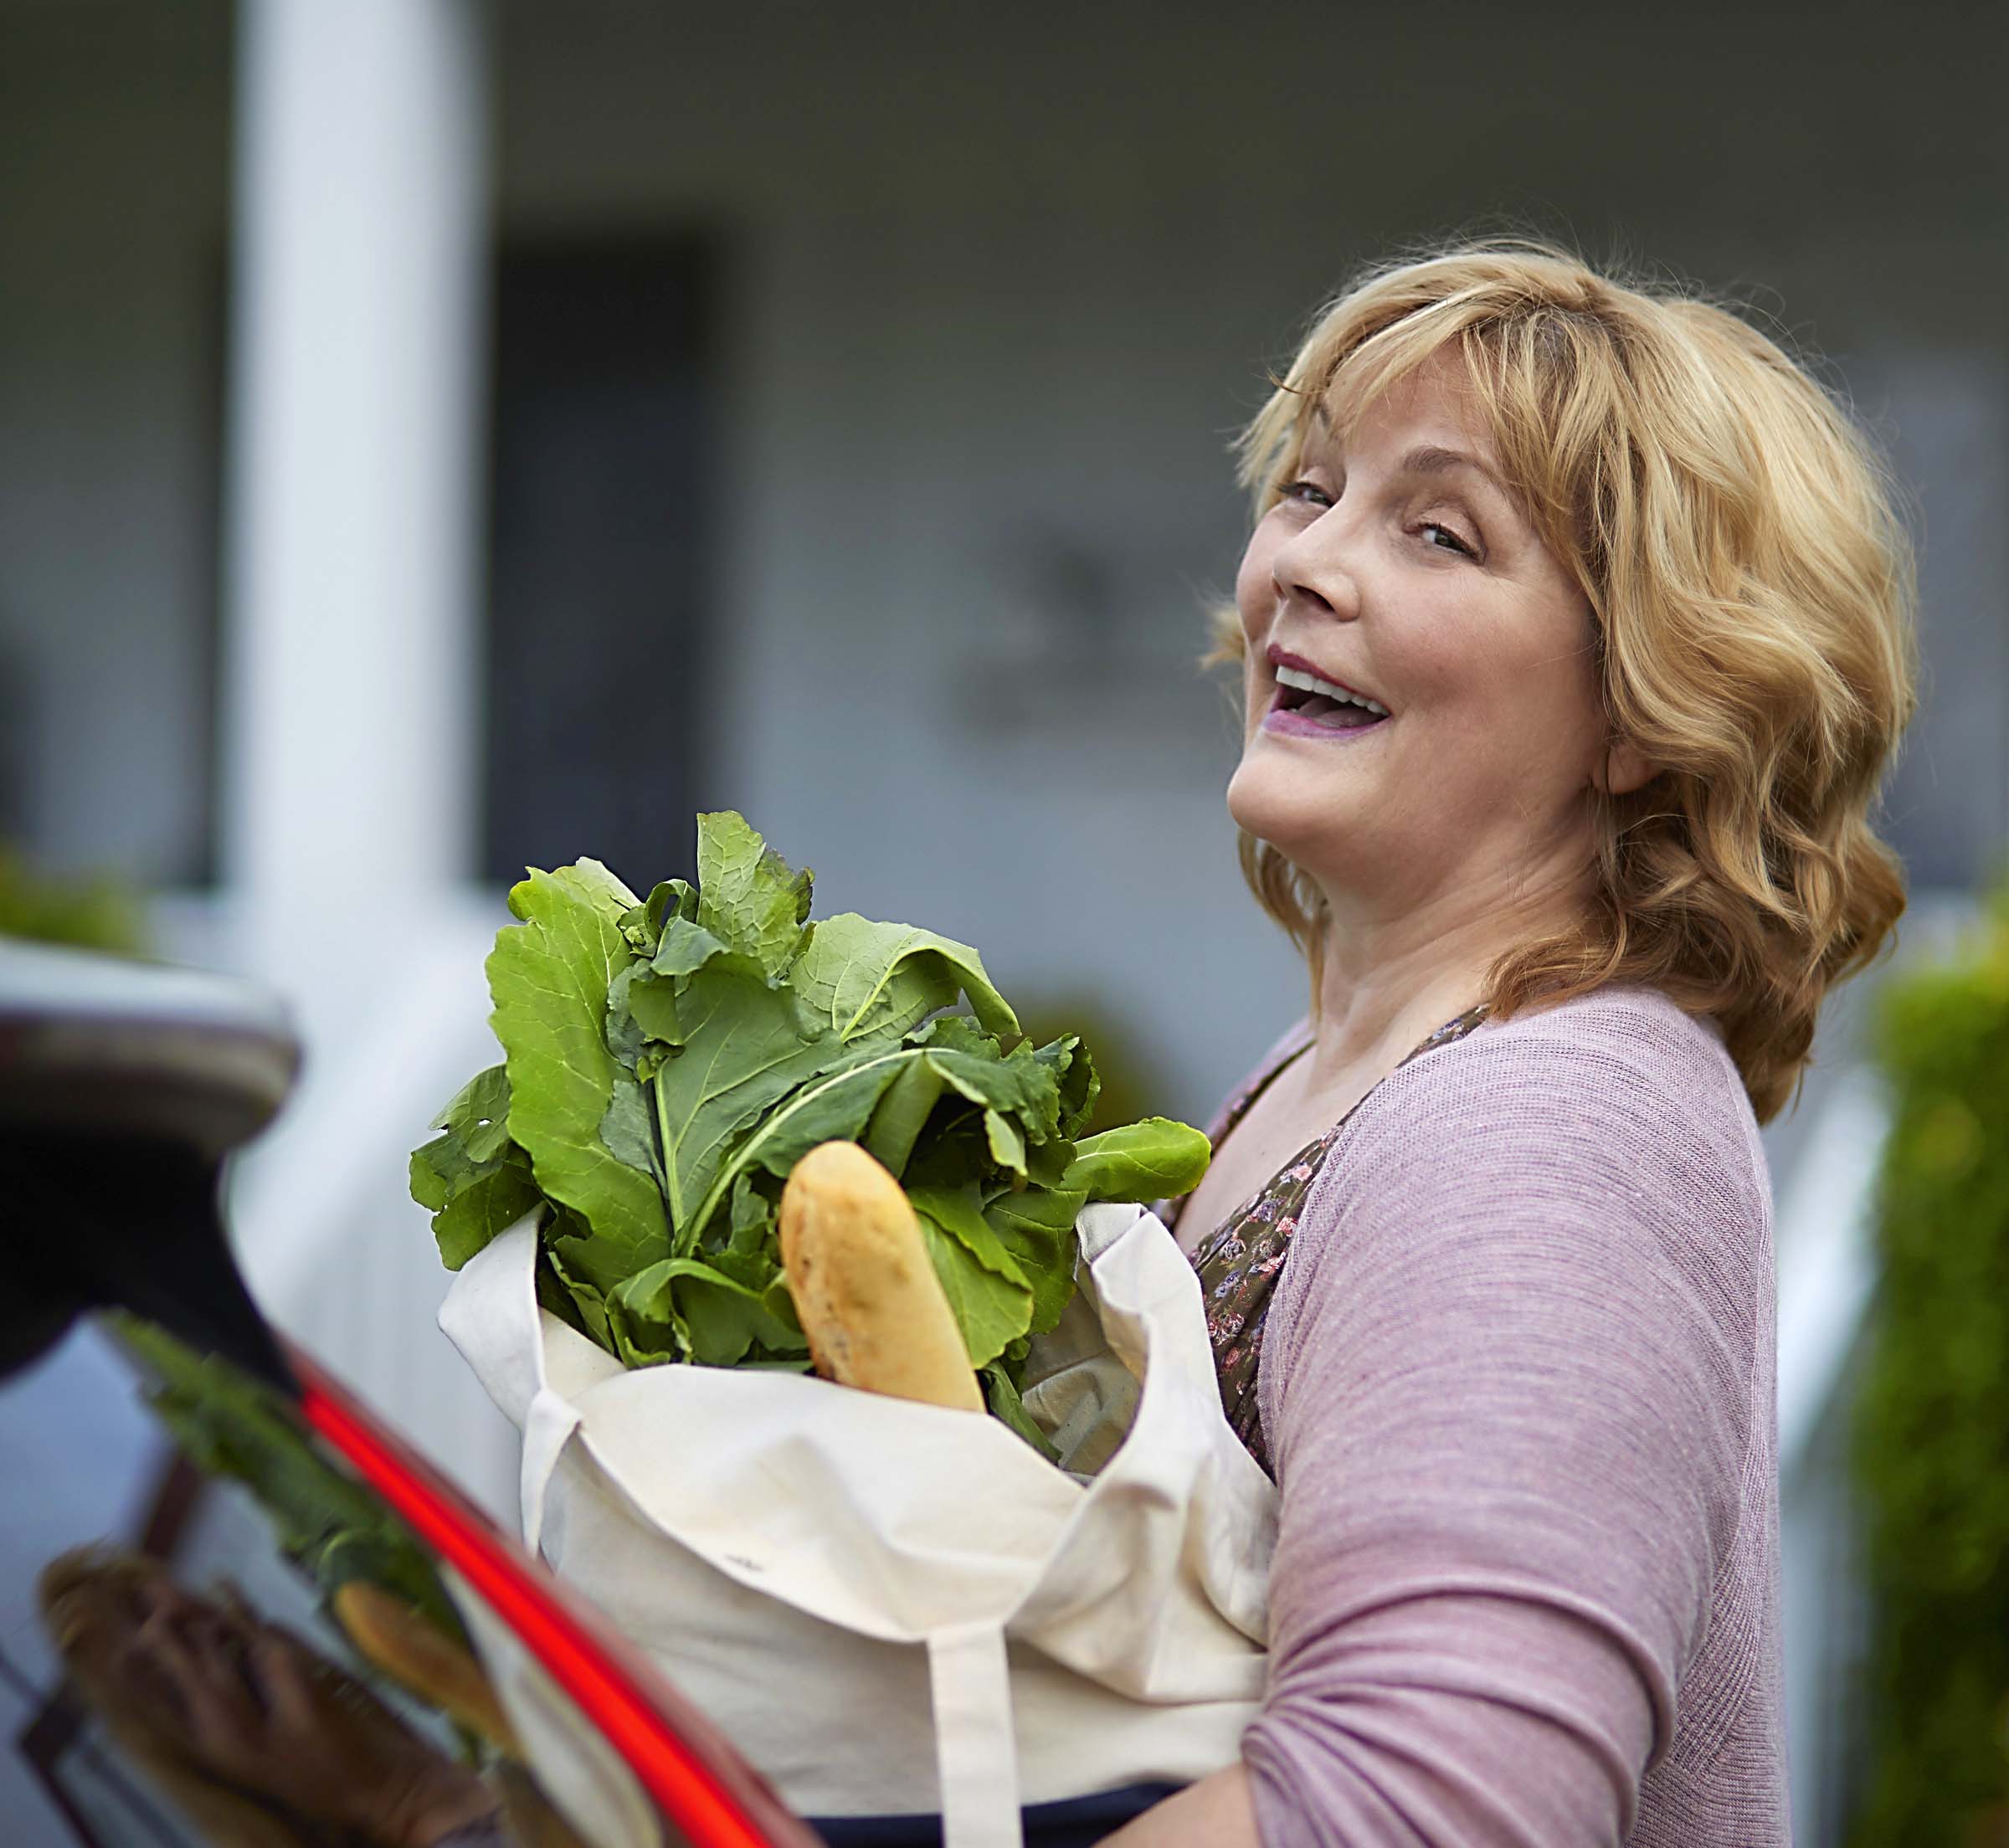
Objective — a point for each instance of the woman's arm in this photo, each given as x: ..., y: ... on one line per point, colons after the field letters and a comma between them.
x: 1216, y: 1812
x: 1512, y: 1382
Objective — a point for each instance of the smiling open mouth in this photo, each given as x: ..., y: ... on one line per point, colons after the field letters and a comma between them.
x: 1304, y: 702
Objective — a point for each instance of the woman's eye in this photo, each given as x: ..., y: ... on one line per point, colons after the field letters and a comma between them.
x: 1309, y: 492
x: 1445, y: 540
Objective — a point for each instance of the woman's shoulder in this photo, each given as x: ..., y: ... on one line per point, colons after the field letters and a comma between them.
x: 1622, y: 1042
x: 1549, y: 1153
x: 1623, y: 1077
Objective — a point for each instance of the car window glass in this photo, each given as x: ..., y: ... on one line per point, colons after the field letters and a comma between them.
x: 212, y: 1632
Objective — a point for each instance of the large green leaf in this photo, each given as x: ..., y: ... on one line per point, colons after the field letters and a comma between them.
x: 833, y: 1106
x: 991, y: 1310
x: 988, y: 1291
x: 473, y: 1179
x: 862, y: 980
x: 478, y: 1117
x: 959, y: 1212
x: 1019, y: 1084
x: 903, y: 1113
x: 743, y: 1051
x: 1035, y: 1224
x: 548, y: 978
x: 720, y: 1318
x: 1140, y: 1161
x: 747, y: 896
x: 595, y: 887
x: 487, y: 1201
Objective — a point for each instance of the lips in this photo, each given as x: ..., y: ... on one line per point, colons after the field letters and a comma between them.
x: 1279, y: 657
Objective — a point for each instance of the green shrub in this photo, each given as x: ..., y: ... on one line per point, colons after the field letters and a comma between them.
x: 94, y: 914
x: 1931, y: 1430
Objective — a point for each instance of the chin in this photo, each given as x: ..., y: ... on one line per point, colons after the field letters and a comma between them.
x: 1267, y: 800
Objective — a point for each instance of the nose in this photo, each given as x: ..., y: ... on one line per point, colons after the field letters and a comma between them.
x: 1312, y: 568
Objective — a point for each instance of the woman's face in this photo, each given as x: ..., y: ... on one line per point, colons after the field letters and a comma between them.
x: 1395, y: 566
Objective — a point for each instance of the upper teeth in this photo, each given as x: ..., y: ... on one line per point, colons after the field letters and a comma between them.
x: 1310, y: 683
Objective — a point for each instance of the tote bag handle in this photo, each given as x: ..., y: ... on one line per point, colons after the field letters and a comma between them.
x: 976, y: 1748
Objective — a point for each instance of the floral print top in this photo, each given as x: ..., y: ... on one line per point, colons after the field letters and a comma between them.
x: 1238, y: 1261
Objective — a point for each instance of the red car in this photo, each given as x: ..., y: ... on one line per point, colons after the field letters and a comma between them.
x: 240, y: 1608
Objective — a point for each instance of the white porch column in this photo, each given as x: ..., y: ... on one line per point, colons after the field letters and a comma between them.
x: 357, y: 361
x: 351, y: 662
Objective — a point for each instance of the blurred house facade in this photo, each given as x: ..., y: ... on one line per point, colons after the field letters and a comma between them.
x: 438, y: 437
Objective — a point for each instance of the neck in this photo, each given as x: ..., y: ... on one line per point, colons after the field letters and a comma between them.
x: 1390, y: 976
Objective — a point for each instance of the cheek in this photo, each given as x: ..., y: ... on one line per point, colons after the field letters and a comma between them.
x: 1536, y: 710
x: 1255, y: 588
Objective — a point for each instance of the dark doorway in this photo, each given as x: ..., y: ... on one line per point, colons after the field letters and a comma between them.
x: 598, y: 517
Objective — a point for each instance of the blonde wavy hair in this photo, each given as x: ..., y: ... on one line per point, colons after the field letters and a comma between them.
x: 1750, y: 584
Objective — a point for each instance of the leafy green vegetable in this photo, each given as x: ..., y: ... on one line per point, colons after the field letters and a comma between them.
x: 666, y: 1063
x: 471, y: 1206
x: 988, y: 1291
x: 474, y: 1179
x: 746, y: 897
x: 874, y: 981
x: 829, y: 1107
x: 742, y: 1051
x: 1145, y: 1161
x: 896, y: 1125
x: 549, y: 978
x: 1035, y: 1226
x: 1001, y: 1395
x: 715, y: 1319
x: 992, y: 1308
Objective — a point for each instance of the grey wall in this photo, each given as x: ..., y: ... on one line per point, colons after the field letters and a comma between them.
x: 997, y: 289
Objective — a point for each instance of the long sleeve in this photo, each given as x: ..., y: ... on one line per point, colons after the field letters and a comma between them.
x: 1517, y: 1384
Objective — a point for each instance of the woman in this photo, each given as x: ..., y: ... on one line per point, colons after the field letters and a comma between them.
x: 1576, y: 636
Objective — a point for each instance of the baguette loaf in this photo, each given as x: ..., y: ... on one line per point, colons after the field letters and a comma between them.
x: 865, y: 1291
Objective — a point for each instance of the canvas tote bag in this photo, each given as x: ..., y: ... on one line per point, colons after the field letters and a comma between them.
x: 892, y: 1607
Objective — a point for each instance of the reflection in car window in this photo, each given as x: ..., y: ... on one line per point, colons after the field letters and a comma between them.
x: 215, y: 1633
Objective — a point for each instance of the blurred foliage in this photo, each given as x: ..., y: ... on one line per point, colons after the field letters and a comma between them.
x: 1931, y: 1431
x: 1126, y: 1094
x: 88, y: 914
x: 232, y: 1427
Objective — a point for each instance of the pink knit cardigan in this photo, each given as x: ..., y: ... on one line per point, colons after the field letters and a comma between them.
x: 1519, y: 1384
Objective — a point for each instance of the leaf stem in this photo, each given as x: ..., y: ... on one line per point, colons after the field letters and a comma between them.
x: 777, y: 1118
x: 678, y: 1245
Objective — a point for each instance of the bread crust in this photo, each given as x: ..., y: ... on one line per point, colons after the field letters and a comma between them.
x: 863, y: 1287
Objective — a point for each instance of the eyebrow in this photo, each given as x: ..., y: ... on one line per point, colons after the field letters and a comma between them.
x: 1432, y: 460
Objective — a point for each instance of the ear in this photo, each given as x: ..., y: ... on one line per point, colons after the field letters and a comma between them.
x: 1625, y: 770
